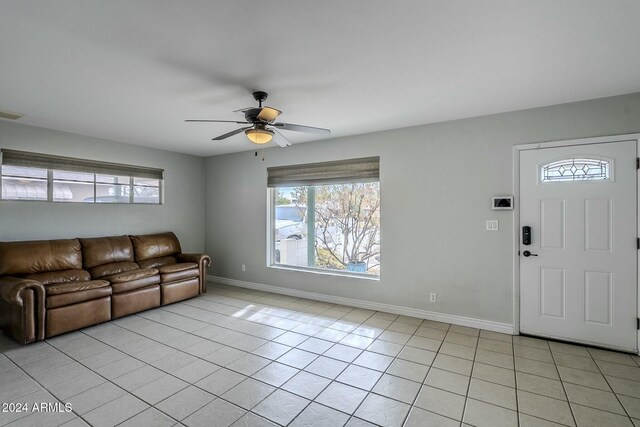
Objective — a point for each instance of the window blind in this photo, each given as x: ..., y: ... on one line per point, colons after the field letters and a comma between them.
x: 47, y: 161
x: 341, y: 171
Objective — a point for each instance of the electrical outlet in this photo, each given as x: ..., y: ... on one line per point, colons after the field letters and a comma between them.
x: 244, y: 267
x: 491, y: 225
x: 433, y: 297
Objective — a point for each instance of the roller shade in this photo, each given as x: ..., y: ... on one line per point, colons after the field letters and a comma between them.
x: 341, y: 171
x: 46, y: 161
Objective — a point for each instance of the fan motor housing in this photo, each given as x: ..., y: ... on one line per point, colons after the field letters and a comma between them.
x: 251, y: 115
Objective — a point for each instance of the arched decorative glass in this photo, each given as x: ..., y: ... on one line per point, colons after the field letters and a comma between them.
x: 576, y: 170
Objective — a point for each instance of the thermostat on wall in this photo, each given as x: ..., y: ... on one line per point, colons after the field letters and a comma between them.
x: 502, y: 203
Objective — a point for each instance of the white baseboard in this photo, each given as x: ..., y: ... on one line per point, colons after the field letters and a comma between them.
x: 488, y: 325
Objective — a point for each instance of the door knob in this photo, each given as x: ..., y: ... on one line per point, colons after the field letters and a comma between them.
x: 528, y: 254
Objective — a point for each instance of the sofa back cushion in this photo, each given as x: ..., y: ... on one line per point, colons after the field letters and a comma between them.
x: 54, y: 277
x: 39, y: 256
x: 155, y: 246
x: 106, y: 250
x: 157, y: 262
x: 114, y: 268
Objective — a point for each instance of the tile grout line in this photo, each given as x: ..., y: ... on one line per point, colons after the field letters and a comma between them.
x: 330, y: 382
x: 362, y: 350
x: 110, y: 381
x: 573, y: 415
x: 225, y: 367
x: 580, y: 385
x: 338, y: 342
x: 442, y: 342
x: 437, y: 352
x: 167, y: 373
x: 369, y: 392
x: 146, y: 364
x: 563, y: 381
x: 515, y: 379
x: 227, y: 302
x: 466, y: 396
x: 45, y: 388
x: 611, y: 388
x: 190, y: 384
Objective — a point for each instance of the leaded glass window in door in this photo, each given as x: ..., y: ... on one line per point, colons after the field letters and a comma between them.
x: 575, y: 170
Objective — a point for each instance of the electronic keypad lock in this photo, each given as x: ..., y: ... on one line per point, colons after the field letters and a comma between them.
x: 526, y: 235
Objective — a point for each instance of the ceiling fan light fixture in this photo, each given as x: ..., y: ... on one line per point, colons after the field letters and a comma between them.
x: 259, y: 136
x: 257, y: 120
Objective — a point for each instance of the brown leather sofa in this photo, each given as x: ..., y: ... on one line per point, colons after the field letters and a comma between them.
x: 50, y: 287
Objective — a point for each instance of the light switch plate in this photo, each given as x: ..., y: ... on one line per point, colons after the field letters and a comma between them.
x: 492, y: 225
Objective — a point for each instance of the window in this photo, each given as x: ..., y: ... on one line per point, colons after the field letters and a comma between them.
x: 326, y: 216
x: 575, y: 170
x: 20, y: 183
x: 33, y: 176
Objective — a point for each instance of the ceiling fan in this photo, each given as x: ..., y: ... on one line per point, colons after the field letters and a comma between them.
x: 263, y: 127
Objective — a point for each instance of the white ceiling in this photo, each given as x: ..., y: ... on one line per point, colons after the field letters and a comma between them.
x: 133, y: 70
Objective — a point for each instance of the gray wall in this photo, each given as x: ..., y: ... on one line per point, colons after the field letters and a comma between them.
x: 182, y: 212
x: 436, y: 184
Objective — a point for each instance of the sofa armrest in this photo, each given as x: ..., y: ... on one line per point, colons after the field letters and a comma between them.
x: 22, y: 311
x: 203, y: 262
x: 12, y: 289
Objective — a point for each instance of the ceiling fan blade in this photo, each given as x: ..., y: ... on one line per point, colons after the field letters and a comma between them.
x: 243, y: 110
x: 269, y: 114
x: 228, y: 134
x: 218, y: 121
x: 301, y: 128
x: 279, y: 139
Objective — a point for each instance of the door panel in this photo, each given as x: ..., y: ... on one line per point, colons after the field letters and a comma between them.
x: 582, y: 285
x: 597, y: 227
x: 597, y: 297
x: 552, y: 224
x: 552, y: 292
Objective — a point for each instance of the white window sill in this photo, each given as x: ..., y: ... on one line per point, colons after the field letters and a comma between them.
x: 326, y: 272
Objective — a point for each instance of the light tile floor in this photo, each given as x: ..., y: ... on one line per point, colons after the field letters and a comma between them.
x: 247, y: 358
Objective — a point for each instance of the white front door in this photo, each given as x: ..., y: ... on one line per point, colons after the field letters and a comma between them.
x: 578, y: 275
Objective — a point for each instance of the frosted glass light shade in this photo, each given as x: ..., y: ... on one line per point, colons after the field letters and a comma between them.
x: 259, y: 136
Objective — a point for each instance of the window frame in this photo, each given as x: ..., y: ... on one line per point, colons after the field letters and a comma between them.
x: 271, y: 246
x: 80, y: 166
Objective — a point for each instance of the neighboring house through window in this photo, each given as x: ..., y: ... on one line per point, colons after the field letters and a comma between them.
x: 34, y: 176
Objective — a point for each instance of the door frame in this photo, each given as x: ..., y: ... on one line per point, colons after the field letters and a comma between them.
x: 516, y: 211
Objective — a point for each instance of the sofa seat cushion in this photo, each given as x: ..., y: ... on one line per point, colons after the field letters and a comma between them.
x: 157, y: 262
x: 61, y: 300
x: 54, y: 277
x: 65, y: 288
x: 171, y: 273
x: 105, y: 270
x: 174, y: 268
x: 129, y: 276
x: 148, y: 277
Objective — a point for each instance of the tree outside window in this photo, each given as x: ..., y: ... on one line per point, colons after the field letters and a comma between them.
x: 343, y: 221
